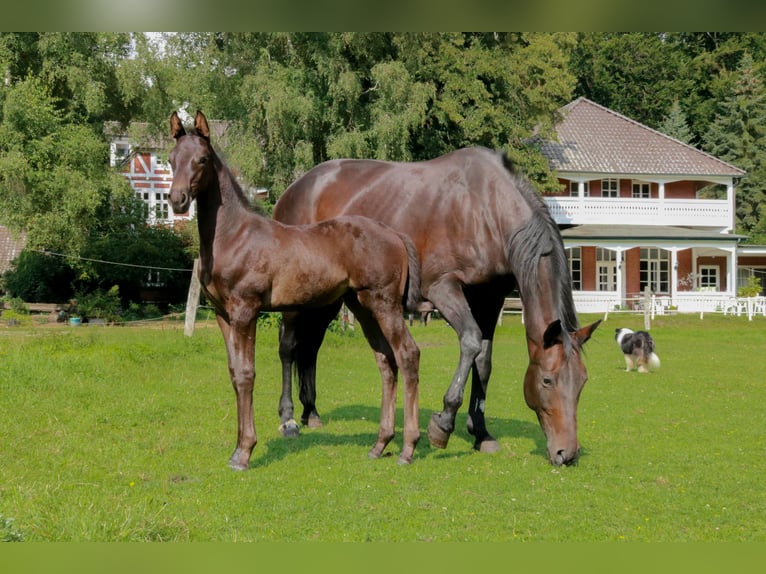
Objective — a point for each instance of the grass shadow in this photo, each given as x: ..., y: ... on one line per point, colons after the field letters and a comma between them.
x: 501, y: 428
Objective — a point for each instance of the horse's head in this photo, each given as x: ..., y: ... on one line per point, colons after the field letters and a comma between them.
x: 191, y: 160
x: 552, y: 385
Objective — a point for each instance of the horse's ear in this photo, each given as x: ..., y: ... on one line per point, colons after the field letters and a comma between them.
x: 176, y: 127
x: 553, y: 334
x: 200, y: 124
x: 583, y: 334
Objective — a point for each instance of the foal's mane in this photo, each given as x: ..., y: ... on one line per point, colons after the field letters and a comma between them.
x: 537, y: 238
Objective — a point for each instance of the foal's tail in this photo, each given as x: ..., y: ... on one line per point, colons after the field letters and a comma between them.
x: 412, y: 294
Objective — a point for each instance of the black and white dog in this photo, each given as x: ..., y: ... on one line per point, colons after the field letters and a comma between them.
x: 638, y: 348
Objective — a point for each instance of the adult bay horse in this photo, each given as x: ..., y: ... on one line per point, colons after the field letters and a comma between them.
x: 249, y: 263
x: 480, y: 231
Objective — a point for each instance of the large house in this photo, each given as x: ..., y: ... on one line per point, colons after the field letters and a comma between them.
x: 639, y: 211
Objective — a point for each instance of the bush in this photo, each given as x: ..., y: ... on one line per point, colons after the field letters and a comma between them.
x: 137, y: 312
x: 100, y: 304
x: 752, y: 289
x: 39, y: 278
x: 18, y: 306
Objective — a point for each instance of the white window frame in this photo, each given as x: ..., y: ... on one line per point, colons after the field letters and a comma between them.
x: 610, y: 187
x: 655, y: 270
x: 606, y: 270
x: 574, y: 257
x: 704, y: 273
x: 574, y: 188
x: 641, y: 190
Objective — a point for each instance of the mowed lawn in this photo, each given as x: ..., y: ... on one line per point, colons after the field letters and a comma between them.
x: 124, y: 433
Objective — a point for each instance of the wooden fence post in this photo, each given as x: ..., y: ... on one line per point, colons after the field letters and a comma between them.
x: 192, y: 301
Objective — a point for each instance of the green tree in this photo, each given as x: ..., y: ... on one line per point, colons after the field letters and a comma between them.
x: 58, y: 90
x: 39, y: 278
x: 637, y: 74
x: 738, y: 136
x: 138, y: 257
x: 296, y: 99
x: 675, y: 124
x: 53, y: 174
x: 78, y: 69
x: 710, y: 60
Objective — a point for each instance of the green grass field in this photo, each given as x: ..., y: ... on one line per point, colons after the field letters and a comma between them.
x: 124, y: 433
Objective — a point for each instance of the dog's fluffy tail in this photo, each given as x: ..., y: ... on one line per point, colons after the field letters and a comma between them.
x: 654, y: 361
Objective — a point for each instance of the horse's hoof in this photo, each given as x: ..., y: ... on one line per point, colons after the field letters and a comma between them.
x: 487, y: 446
x: 240, y: 459
x: 313, y: 422
x: 289, y: 429
x: 403, y: 460
x: 436, y: 436
x: 237, y: 465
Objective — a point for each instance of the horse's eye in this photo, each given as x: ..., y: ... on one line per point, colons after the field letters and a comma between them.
x: 202, y: 160
x: 547, y: 381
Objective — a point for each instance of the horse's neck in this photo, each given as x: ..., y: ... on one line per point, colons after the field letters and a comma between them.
x: 539, y: 312
x: 540, y: 305
x: 220, y: 210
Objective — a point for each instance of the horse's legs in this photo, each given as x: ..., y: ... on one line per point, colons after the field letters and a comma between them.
x: 447, y: 296
x: 287, y: 346
x: 240, y: 347
x: 300, y: 337
x: 395, y: 349
x: 407, y: 356
x: 388, y: 373
x: 486, y: 310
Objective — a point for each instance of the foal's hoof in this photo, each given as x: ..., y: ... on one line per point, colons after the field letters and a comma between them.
x: 487, y: 446
x: 240, y: 460
x: 237, y: 464
x: 436, y: 435
x: 289, y: 428
x: 313, y: 422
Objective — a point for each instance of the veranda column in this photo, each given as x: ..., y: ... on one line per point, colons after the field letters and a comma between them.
x: 673, y: 275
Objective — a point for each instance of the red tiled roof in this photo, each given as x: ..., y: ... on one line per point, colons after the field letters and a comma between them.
x: 10, y: 247
x: 595, y: 139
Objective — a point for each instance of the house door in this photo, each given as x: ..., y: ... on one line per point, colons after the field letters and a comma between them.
x: 607, y: 276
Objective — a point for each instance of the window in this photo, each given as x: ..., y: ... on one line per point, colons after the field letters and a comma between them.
x: 154, y: 279
x: 606, y: 264
x: 708, y: 278
x: 745, y: 273
x: 575, y: 267
x: 574, y: 188
x: 610, y: 188
x: 641, y: 190
x: 120, y: 153
x: 655, y: 270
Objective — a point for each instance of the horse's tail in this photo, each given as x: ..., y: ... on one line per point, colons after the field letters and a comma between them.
x: 412, y: 293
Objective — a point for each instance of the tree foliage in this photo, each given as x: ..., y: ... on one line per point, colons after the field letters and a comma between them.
x: 738, y: 135
x: 292, y: 100
x: 54, y: 169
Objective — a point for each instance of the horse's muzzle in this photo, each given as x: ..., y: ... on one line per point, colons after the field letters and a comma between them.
x: 564, y: 457
x: 179, y: 200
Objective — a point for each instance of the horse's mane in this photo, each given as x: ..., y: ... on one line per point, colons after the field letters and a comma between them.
x: 540, y: 237
x: 253, y: 206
